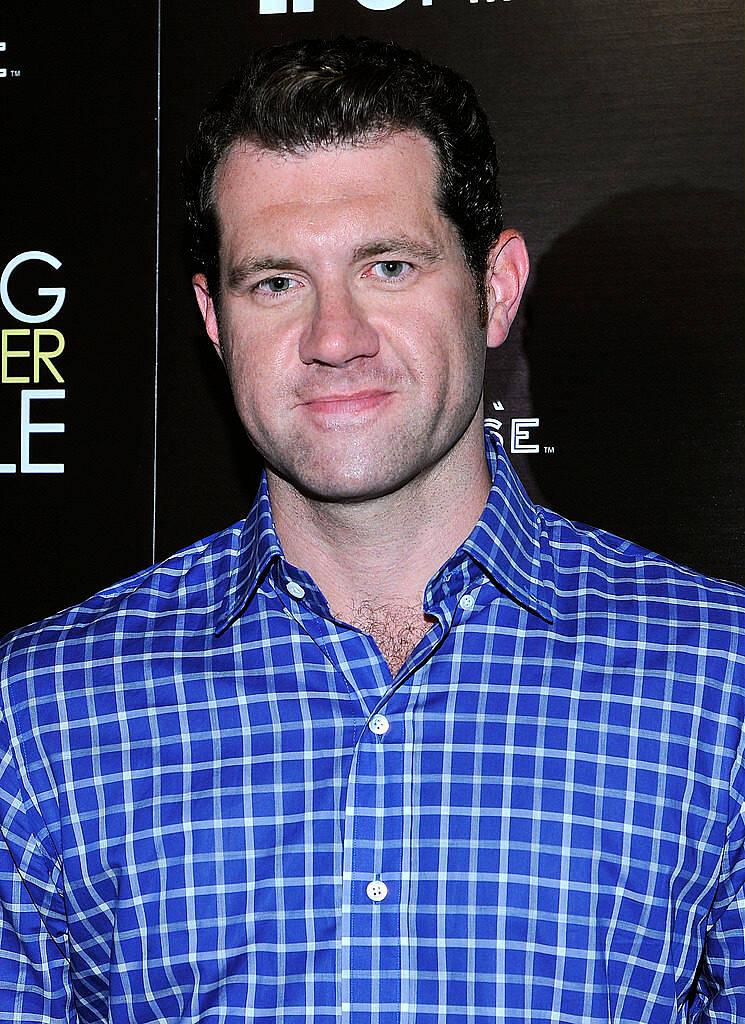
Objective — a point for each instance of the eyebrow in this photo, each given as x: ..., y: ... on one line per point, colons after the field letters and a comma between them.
x: 250, y: 265
x: 399, y: 244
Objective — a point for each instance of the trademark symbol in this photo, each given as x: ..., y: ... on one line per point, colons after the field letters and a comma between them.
x: 548, y: 449
x: 15, y: 74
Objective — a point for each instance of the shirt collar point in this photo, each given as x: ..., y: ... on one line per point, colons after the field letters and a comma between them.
x: 258, y: 546
x: 509, y: 540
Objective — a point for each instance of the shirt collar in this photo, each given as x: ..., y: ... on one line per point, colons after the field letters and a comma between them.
x: 506, y: 543
x: 258, y: 547
x: 509, y: 542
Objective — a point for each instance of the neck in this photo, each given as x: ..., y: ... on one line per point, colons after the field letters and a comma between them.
x: 382, y: 552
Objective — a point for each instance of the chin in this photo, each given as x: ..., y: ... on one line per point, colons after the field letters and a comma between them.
x: 349, y: 487
x: 345, y: 491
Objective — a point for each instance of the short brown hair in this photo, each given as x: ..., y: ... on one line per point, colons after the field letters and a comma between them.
x: 315, y: 92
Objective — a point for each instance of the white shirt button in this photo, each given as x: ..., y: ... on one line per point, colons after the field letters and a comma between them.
x: 379, y: 724
x: 295, y: 589
x: 377, y: 890
x: 467, y: 602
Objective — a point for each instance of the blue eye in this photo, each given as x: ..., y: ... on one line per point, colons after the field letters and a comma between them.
x: 391, y: 269
x: 275, y: 285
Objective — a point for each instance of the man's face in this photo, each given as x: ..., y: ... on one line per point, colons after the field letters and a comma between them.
x: 349, y: 320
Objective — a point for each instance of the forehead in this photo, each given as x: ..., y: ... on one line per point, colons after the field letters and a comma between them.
x: 390, y: 181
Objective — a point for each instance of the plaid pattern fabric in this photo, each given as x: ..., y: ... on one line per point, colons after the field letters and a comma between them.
x: 217, y: 806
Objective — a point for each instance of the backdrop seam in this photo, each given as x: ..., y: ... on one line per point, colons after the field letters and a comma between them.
x: 157, y: 280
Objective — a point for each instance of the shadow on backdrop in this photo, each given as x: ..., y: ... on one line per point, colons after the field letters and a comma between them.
x: 633, y: 336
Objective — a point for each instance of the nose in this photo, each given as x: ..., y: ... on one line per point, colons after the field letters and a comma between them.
x: 339, y: 330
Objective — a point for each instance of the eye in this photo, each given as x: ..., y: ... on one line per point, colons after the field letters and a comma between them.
x: 390, y: 270
x: 276, y: 285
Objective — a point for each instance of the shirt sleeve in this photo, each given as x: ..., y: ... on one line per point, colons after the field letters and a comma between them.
x: 721, y: 988
x: 34, y: 967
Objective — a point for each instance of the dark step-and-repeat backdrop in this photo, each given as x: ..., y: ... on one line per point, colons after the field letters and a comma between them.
x: 619, y: 393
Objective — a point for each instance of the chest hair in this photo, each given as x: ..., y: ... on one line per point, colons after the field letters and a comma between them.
x: 396, y: 629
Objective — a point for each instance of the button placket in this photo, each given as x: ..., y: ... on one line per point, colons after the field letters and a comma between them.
x: 373, y: 841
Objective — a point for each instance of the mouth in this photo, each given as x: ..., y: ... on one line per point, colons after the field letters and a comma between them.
x: 347, y: 404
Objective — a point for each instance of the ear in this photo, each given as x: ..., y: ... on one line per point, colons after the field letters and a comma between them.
x: 507, y: 271
x: 207, y: 309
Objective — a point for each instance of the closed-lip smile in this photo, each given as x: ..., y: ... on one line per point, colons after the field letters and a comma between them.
x: 348, y: 402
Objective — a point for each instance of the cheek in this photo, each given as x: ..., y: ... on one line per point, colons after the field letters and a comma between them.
x: 246, y: 383
x: 448, y: 342
x: 254, y: 358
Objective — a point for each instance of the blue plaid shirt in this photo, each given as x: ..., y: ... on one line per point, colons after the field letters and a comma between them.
x: 218, y: 806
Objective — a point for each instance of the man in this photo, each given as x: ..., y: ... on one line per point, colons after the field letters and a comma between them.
x: 401, y: 746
